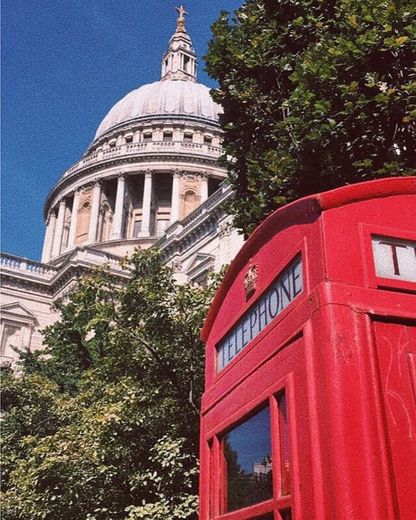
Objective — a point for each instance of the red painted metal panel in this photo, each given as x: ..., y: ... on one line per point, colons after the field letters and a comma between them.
x: 347, y: 427
x: 396, y: 352
x: 286, y: 370
x: 345, y: 259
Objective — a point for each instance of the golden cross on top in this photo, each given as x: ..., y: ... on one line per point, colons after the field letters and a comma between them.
x: 180, y: 22
x: 182, y: 12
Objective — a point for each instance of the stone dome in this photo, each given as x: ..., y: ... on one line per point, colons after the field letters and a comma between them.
x: 162, y: 98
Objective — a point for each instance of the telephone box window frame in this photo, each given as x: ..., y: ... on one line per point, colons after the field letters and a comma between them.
x: 372, y: 279
x: 279, y: 502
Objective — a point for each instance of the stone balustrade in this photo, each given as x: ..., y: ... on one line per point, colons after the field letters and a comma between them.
x: 27, y: 266
x: 150, y: 147
x: 37, y: 271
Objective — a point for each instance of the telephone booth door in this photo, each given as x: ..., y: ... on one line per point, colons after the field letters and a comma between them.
x: 253, y: 449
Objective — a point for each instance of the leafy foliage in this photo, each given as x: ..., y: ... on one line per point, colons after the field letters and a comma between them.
x: 103, y: 424
x: 316, y: 94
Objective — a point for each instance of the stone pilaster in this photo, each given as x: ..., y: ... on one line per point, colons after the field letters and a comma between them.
x: 74, y: 220
x: 175, y: 202
x: 204, y: 187
x: 119, y: 208
x: 59, y: 229
x: 50, y: 231
x: 95, y: 211
x: 147, y: 204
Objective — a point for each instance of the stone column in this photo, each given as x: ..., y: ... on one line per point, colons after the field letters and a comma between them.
x: 204, y: 187
x: 2, y: 338
x: 59, y: 229
x: 50, y: 230
x: 74, y: 219
x: 119, y: 208
x: 95, y: 211
x: 147, y: 204
x: 174, y: 211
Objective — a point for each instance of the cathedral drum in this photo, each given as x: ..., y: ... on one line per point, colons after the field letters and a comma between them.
x: 309, y: 410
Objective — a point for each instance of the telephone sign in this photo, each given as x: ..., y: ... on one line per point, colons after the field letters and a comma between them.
x: 276, y: 298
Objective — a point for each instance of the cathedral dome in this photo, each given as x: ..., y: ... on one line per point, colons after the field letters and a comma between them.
x: 168, y: 97
x: 153, y: 161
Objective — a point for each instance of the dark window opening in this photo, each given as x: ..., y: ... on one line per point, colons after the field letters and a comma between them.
x: 188, y: 137
x: 167, y: 136
x: 201, y: 279
x: 163, y: 190
x: 213, y: 185
x: 147, y: 136
x: 207, y: 139
x: 186, y: 63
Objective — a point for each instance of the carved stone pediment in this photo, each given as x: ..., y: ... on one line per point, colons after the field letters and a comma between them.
x: 16, y: 311
x: 201, y: 262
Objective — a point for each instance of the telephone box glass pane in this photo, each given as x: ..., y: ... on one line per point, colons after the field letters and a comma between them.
x: 248, y: 463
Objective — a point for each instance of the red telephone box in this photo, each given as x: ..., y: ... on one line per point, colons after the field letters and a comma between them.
x: 309, y: 410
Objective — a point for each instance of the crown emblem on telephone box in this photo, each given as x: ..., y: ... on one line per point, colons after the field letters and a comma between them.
x: 250, y: 281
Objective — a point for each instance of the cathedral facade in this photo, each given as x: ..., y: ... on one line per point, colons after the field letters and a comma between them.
x: 150, y: 178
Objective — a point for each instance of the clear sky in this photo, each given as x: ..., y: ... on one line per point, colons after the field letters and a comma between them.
x: 65, y: 63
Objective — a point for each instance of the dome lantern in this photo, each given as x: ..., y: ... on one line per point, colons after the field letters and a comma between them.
x: 179, y: 61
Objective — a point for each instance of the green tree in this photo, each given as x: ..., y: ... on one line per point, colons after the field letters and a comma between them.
x: 103, y: 424
x: 316, y: 94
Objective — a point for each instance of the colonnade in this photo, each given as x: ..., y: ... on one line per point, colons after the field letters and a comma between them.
x: 53, y: 244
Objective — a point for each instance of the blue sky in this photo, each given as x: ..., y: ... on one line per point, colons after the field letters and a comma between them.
x: 64, y: 65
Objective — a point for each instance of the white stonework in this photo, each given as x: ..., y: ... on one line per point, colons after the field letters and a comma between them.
x: 149, y: 178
